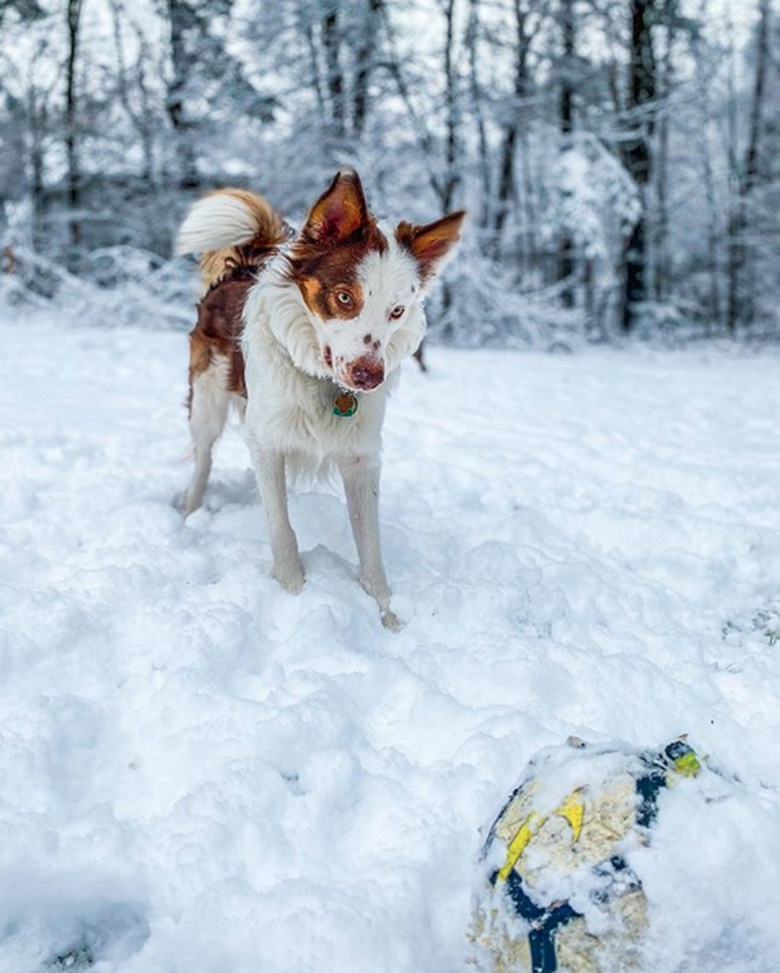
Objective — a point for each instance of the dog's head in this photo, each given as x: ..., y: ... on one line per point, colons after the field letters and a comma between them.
x: 362, y: 285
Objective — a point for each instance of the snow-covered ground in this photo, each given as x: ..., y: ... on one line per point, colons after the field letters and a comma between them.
x: 199, y: 772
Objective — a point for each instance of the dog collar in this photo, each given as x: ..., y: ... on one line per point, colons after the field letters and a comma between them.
x: 345, y: 404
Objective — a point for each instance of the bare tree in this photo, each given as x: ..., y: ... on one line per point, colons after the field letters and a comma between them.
x: 741, y: 304
x: 566, y: 115
x: 658, y: 259
x: 369, y: 23
x: 74, y: 8
x: 477, y: 99
x: 511, y: 128
x: 181, y: 19
x: 331, y: 41
x: 636, y: 151
x: 706, y: 63
x: 141, y: 115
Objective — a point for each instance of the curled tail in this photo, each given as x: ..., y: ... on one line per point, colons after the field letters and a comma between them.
x: 231, y: 229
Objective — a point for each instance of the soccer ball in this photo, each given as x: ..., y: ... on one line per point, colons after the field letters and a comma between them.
x: 557, y: 892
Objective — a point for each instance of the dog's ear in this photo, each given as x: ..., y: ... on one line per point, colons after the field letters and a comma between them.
x: 339, y: 212
x: 432, y: 244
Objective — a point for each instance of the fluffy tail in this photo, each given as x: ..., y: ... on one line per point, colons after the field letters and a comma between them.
x: 230, y: 228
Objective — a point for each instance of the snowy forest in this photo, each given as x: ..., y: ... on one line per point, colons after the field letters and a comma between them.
x: 619, y: 159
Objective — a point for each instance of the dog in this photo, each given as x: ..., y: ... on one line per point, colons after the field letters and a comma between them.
x: 305, y: 334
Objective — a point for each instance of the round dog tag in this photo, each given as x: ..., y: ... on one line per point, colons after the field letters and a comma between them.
x: 345, y: 405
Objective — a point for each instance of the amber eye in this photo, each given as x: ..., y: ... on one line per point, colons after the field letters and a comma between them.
x: 397, y: 312
x: 344, y: 298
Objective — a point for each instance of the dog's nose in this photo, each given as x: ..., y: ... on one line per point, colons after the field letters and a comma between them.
x: 366, y: 373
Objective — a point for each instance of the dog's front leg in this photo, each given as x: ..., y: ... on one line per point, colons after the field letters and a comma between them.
x: 361, y: 486
x: 269, y: 469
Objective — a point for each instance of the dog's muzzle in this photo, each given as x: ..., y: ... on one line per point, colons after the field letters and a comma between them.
x: 365, y: 374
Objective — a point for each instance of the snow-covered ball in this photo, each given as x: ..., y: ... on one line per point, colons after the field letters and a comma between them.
x: 557, y: 890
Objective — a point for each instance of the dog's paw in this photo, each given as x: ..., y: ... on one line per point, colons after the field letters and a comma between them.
x: 185, y: 503
x: 290, y: 577
x: 391, y: 621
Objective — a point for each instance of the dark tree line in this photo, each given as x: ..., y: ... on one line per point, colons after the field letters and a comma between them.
x: 618, y: 157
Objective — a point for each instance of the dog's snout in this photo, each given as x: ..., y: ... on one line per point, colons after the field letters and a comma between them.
x: 366, y: 373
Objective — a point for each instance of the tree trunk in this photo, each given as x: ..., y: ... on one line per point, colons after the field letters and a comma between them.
x: 335, y: 79
x: 141, y: 120
x: 506, y: 170
x: 365, y: 63
x: 314, y: 63
x: 660, y: 250
x: 713, y: 210
x: 741, y: 303
x: 71, y: 136
x: 183, y: 126
x: 451, y: 181
x: 566, y: 117
x: 38, y: 124
x: 641, y: 95
x: 506, y: 183
x: 472, y: 41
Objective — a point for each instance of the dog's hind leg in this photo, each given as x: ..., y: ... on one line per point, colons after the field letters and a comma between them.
x: 209, y: 400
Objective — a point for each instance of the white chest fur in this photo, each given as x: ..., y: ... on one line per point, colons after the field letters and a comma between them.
x: 289, y: 407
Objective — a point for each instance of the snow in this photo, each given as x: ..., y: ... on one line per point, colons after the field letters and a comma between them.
x: 202, y: 773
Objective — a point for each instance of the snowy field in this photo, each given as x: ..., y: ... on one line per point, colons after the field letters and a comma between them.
x: 202, y: 774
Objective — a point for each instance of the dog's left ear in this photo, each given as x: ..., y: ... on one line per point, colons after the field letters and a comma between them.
x: 339, y: 212
x: 432, y: 244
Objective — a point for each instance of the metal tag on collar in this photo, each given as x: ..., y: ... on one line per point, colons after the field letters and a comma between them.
x: 345, y: 404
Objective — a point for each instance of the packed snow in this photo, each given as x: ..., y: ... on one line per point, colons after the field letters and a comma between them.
x: 203, y: 773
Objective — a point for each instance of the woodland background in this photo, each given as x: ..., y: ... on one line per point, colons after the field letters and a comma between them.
x: 620, y: 159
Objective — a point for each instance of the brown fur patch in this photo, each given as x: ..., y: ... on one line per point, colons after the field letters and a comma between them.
x: 228, y: 274
x: 430, y: 243
x: 218, y: 332
x: 272, y: 231
x: 338, y: 234
x: 321, y: 296
x: 322, y: 270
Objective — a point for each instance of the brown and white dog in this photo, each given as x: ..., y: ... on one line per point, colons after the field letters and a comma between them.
x: 306, y: 335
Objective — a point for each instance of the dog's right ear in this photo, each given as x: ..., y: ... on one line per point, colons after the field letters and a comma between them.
x: 431, y: 245
x: 339, y: 212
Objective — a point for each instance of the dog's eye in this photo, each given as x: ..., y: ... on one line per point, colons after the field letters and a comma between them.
x: 344, y: 298
x: 397, y: 312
